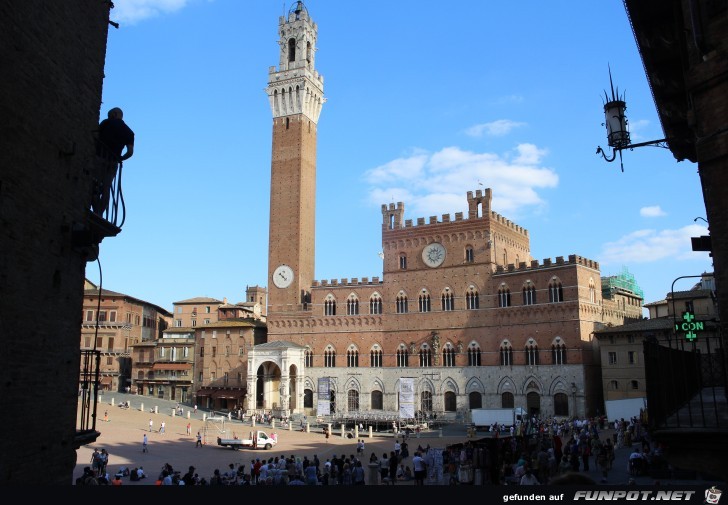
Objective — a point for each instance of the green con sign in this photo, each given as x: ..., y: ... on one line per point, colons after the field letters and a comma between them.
x: 689, y: 326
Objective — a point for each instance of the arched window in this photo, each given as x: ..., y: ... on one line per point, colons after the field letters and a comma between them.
x: 424, y: 301
x: 592, y: 292
x: 403, y: 261
x: 450, y: 402
x: 426, y: 401
x: 556, y: 292
x: 308, y: 358
x: 375, y: 304
x: 473, y: 355
x: 352, y: 400
x: 352, y: 305
x: 308, y: 52
x: 561, y: 404
x: 352, y: 358
x: 529, y: 294
x: 330, y: 305
x: 506, y: 354
x: 504, y: 297
x: 291, y: 50
x: 377, y: 400
x: 375, y: 358
x: 531, y: 353
x: 558, y: 354
x: 307, y: 399
x: 448, y: 355
x: 401, y: 303
x: 329, y: 358
x: 507, y: 400
x: 475, y: 400
x: 402, y: 357
x: 472, y: 299
x: 469, y: 255
x: 425, y: 357
x: 448, y: 300
x: 614, y: 385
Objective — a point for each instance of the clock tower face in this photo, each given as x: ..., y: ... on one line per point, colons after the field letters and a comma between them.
x: 283, y: 276
x: 434, y: 254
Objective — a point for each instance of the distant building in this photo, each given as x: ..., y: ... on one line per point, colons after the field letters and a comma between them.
x: 112, y: 324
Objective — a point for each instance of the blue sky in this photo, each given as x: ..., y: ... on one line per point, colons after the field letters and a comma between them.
x: 425, y: 101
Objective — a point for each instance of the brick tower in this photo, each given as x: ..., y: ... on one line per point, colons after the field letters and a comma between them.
x: 295, y: 91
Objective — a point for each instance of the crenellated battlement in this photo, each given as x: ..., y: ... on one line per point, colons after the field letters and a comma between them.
x: 548, y: 263
x: 354, y: 281
x: 393, y: 214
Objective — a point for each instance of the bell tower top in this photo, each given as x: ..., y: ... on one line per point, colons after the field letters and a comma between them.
x: 296, y: 87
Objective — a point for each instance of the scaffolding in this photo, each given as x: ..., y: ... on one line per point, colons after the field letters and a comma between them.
x: 623, y: 281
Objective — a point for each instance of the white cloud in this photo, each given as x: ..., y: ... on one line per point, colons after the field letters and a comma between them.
x: 133, y: 11
x: 644, y: 246
x: 497, y: 128
x: 653, y: 211
x: 434, y: 184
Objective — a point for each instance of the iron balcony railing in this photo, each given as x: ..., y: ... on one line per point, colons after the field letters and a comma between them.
x: 686, y: 383
x: 86, y: 432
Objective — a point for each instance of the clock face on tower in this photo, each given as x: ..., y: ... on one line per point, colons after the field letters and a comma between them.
x: 433, y: 254
x: 283, y: 276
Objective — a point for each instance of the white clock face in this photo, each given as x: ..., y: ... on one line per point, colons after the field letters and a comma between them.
x: 433, y: 254
x: 283, y: 276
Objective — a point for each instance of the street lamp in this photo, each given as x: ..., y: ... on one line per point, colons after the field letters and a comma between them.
x: 615, y: 119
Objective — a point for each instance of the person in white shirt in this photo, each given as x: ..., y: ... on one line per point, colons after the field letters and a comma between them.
x: 529, y: 479
x: 419, y: 468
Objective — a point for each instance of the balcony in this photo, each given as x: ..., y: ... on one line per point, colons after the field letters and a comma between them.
x: 686, y: 401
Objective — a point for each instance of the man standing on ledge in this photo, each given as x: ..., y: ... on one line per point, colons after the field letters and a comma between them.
x: 114, y: 136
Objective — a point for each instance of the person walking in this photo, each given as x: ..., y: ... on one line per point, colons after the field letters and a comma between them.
x: 189, y: 428
x: 199, y: 440
x: 151, y: 424
x: 161, y: 428
x: 144, y: 444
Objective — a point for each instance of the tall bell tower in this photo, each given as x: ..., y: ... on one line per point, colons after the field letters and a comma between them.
x: 295, y: 91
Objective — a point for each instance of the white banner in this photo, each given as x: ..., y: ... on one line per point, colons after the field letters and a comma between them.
x: 406, y: 398
x: 323, y: 404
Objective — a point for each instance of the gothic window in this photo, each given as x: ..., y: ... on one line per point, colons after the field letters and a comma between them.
x: 592, y: 292
x: 558, y: 354
x: 375, y: 358
x: 469, y: 255
x: 352, y: 305
x: 504, y: 297
x: 352, y: 400
x: 448, y: 355
x: 475, y: 400
x: 375, y: 304
x: 450, y: 402
x: 402, y: 357
x: 425, y: 357
x: 352, y: 358
x: 561, y: 404
x: 556, y: 292
x: 473, y: 355
x: 291, y: 50
x: 507, y: 400
x: 401, y: 303
x: 448, y: 300
x: 531, y: 354
x: 329, y: 358
x: 472, y: 299
x: 424, y: 302
x: 403, y: 262
x: 426, y: 401
x: 307, y: 398
x: 506, y: 354
x: 330, y: 306
x: 529, y: 294
x: 377, y: 400
x: 308, y: 52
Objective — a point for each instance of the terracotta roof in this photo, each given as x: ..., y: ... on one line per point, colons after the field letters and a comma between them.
x: 201, y: 299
